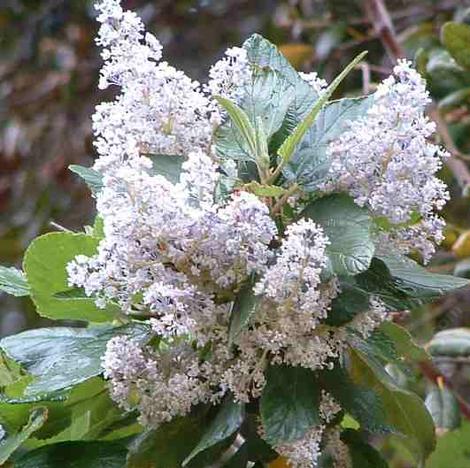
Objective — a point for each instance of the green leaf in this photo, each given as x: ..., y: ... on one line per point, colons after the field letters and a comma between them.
x: 227, y: 421
x: 242, y: 124
x: 347, y: 227
x: 167, y: 165
x: 13, y: 281
x: 75, y: 455
x: 244, y: 307
x: 419, y: 283
x: 309, y: 163
x: 456, y: 38
x: 288, y: 146
x: 169, y: 444
x: 360, y: 402
x: 453, y: 343
x: 12, y: 442
x: 263, y: 54
x: 444, y: 408
x: 404, y: 411
x: 363, y: 455
x: 404, y: 342
x: 452, y: 449
x: 289, y: 403
x: 93, y: 179
x: 349, y: 302
x: 47, y: 353
x: 45, y: 264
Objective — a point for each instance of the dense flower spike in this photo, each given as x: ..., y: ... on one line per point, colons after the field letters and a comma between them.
x: 386, y: 162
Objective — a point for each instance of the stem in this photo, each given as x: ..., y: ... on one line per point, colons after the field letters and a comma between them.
x: 283, y: 199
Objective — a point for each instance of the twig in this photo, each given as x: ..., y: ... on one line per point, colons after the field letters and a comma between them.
x: 282, y: 200
x: 365, y: 68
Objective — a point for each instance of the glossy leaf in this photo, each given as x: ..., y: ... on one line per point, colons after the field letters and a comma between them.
x: 344, y: 307
x: 167, y: 165
x: 309, y: 163
x: 60, y: 357
x: 404, y: 411
x: 362, y: 454
x: 227, y: 421
x: 244, y: 307
x: 37, y: 418
x: 347, y: 227
x: 45, y: 264
x: 289, y: 403
x: 75, y: 455
x: 13, y: 281
x: 287, y: 148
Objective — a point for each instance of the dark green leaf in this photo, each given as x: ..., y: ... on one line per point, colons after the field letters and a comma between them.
x: 419, y: 283
x: 404, y: 411
x: 349, y: 302
x: 309, y: 163
x: 456, y: 38
x: 363, y: 455
x: 227, y: 421
x: 169, y: 444
x: 36, y: 419
x: 289, y: 404
x: 244, y: 307
x: 13, y: 281
x: 347, y: 227
x: 48, y: 353
x: 362, y: 403
x: 93, y: 179
x: 45, y: 264
x: 444, y: 408
x: 75, y: 455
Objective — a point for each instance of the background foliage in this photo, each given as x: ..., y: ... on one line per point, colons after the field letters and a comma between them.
x: 48, y: 90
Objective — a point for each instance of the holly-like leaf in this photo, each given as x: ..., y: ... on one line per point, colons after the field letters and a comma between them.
x: 13, y: 281
x: 227, y: 421
x: 347, y: 227
x: 36, y: 419
x: 289, y: 404
x: 444, y: 408
x: 93, y: 178
x: 75, y: 455
x: 61, y: 357
x: 309, y: 163
x: 456, y: 38
x: 45, y: 264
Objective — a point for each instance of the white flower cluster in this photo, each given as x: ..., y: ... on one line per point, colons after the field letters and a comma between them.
x: 317, y: 83
x: 386, y: 162
x: 175, y: 257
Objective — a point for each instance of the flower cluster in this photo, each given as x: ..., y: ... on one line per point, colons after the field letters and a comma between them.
x: 176, y: 256
x: 386, y: 162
